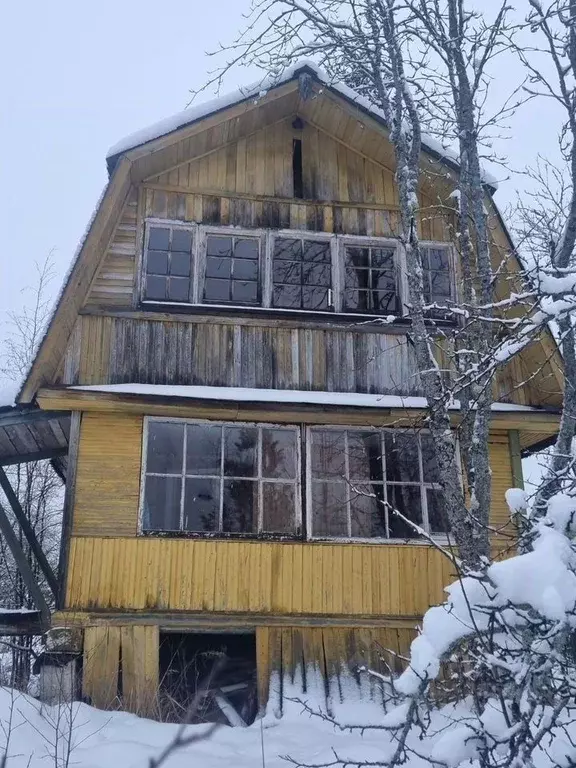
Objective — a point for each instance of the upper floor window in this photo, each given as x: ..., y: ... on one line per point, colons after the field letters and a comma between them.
x: 309, y: 272
x: 229, y: 478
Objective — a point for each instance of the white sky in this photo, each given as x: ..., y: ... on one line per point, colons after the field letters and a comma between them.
x: 78, y: 76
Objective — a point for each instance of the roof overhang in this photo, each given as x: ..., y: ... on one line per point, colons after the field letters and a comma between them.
x: 30, y: 434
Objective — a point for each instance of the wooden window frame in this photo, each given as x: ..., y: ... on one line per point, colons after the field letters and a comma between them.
x: 296, y: 483
x: 424, y: 486
x: 267, y: 239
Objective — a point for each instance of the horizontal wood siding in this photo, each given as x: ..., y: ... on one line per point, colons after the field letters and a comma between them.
x: 254, y: 576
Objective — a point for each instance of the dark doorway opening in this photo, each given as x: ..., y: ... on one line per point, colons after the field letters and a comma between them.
x: 208, y: 678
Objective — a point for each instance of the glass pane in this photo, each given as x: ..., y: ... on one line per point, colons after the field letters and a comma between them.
x: 156, y: 288
x: 180, y: 264
x: 440, y: 285
x: 240, y: 459
x: 407, y: 500
x: 278, y: 511
x: 317, y: 274
x: 365, y: 456
x: 179, y: 289
x: 165, y: 447
x: 316, y: 252
x: 246, y: 249
x: 327, y: 453
x: 357, y: 257
x: 383, y: 281
x: 436, y: 512
x: 429, y: 465
x: 383, y: 257
x: 385, y: 302
x: 181, y: 240
x: 357, y: 278
x: 437, y: 258
x: 244, y: 292
x: 287, y: 272
x: 402, y: 464
x: 368, y: 511
x: 279, y: 453
x: 157, y: 262
x: 356, y: 301
x: 287, y: 296
x: 314, y: 298
x: 219, y: 246
x: 201, y: 504
x: 240, y: 507
x: 203, y: 446
x: 244, y: 269
x: 159, y: 239
x: 218, y: 267
x: 329, y: 509
x: 216, y: 290
x: 162, y: 504
x: 287, y: 249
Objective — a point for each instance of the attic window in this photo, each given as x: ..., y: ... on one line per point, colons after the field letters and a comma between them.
x: 168, y: 263
x: 297, y: 174
x: 232, y: 270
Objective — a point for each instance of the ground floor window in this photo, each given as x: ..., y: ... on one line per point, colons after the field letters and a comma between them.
x: 214, y: 478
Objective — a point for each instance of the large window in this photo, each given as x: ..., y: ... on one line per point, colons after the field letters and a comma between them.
x: 437, y: 275
x: 370, y: 280
x: 168, y: 264
x: 221, y: 478
x: 359, y: 477
x: 232, y: 270
x: 301, y: 273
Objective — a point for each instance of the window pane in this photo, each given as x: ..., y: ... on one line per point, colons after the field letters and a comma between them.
x: 316, y: 274
x: 246, y: 249
x: 437, y: 258
x: 328, y: 453
x: 365, y: 456
x: 201, y: 504
x: 314, y: 298
x: 436, y: 512
x: 181, y: 240
x: 316, y: 252
x: 218, y: 246
x: 240, y: 451
x: 162, y: 504
x: 429, y: 465
x: 203, y: 446
x: 440, y: 284
x: 180, y: 264
x: 288, y: 296
x: 329, y: 509
x: 278, y: 510
x: 156, y: 288
x: 165, y: 447
x: 407, y: 500
x: 402, y: 464
x: 216, y: 290
x: 218, y: 267
x: 356, y: 301
x: 157, y: 262
x: 287, y: 272
x: 385, y: 302
x: 368, y: 512
x: 244, y: 269
x: 357, y: 278
x: 159, y: 239
x: 244, y: 292
x: 287, y: 249
x: 279, y: 453
x: 179, y: 289
x: 383, y: 257
x: 357, y: 257
x: 240, y: 507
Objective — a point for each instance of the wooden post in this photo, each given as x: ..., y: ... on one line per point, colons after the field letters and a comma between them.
x: 23, y: 565
x: 516, y: 458
x: 69, y: 494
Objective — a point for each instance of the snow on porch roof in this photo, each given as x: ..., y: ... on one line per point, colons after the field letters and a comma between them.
x: 258, y: 90
x: 292, y: 396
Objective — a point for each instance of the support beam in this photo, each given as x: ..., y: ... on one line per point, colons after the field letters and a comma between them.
x: 516, y: 458
x: 23, y: 565
x: 24, y: 458
x: 28, y: 531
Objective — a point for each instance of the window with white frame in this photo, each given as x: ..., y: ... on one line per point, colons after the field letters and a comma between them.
x: 210, y: 477
x: 288, y: 270
x: 358, y: 477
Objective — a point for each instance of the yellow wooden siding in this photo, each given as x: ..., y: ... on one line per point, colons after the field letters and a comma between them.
x: 108, y: 475
x: 167, y: 574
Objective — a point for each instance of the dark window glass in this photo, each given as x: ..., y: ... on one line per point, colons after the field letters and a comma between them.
x: 240, y: 506
x: 278, y: 508
x: 429, y: 465
x: 240, y: 445
x: 437, y: 278
x: 279, y: 453
x: 365, y: 456
x: 168, y: 264
x: 232, y: 270
x: 165, y: 448
x: 203, y: 449
x: 329, y: 509
x: 328, y: 454
x: 402, y: 462
x: 162, y: 503
x: 301, y: 274
x: 201, y: 504
x: 368, y: 511
x: 370, y: 280
x: 436, y: 511
x: 407, y: 499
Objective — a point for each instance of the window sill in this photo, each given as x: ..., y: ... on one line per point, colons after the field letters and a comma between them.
x: 290, y: 539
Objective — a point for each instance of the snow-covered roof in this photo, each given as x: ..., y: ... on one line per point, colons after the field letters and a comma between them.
x: 258, y: 90
x: 293, y: 396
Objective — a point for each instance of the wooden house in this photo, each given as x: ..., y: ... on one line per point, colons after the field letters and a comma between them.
x: 239, y: 411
